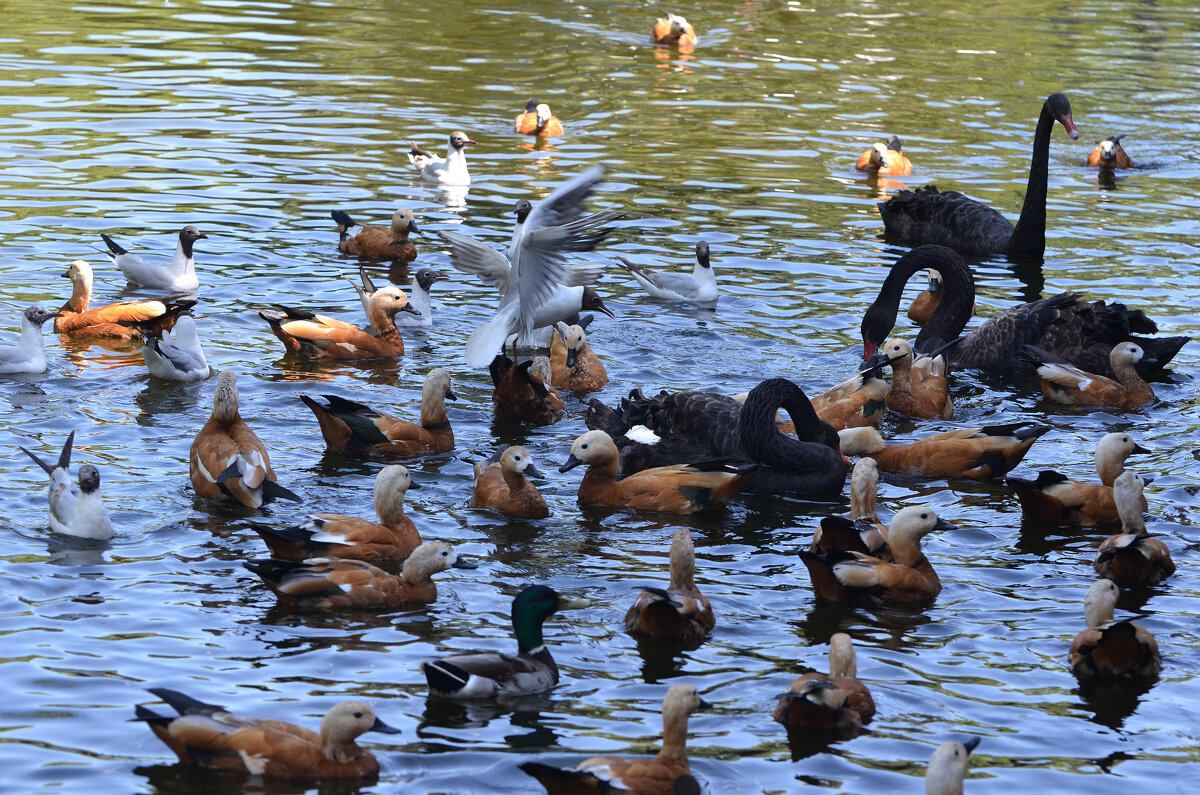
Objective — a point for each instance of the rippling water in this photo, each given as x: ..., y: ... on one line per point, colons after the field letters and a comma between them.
x: 254, y: 119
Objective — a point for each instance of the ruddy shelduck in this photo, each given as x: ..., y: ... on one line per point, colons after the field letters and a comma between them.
x: 806, y: 706
x: 377, y: 242
x: 862, y: 531
x: 523, y: 393
x: 320, y: 336
x: 854, y: 403
x: 679, y: 612
x: 419, y: 299
x: 885, y: 158
x: 573, y: 364
x: 122, y: 320
x: 919, y: 387
x: 1132, y: 558
x: 503, y: 483
x: 1065, y: 383
x: 947, y: 767
x: 1109, y: 154
x: 965, y: 454
x: 922, y: 307
x: 1110, y: 650
x: 76, y: 509
x: 673, y: 30
x: 537, y: 120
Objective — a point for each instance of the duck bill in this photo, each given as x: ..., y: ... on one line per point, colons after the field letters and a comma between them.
x: 572, y: 462
x: 1137, y: 448
x: 463, y: 563
x: 451, y: 396
x: 571, y: 356
x: 572, y: 602
x: 971, y: 743
x: 533, y: 472
x: 412, y: 484
x: 942, y: 524
x: 383, y: 728
x: 410, y: 308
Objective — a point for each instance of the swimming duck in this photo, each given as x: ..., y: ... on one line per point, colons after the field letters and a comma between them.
x: 659, y: 775
x: 1065, y: 325
x: 1108, y: 649
x: 855, y: 577
x: 537, y: 120
x: 573, y: 363
x: 706, y: 426
x: 699, y: 287
x: 333, y: 535
x: 175, y: 355
x: 227, y: 458
x: 885, y: 158
x: 811, y: 701
x: 75, y: 316
x: 523, y: 393
x: 673, y: 30
x: 1133, y: 557
x: 330, y: 583
x: 419, y: 299
x: 1054, y: 499
x: 350, y: 427
x: 177, y: 276
x: 319, y: 336
x: 449, y: 171
x: 922, y: 307
x: 28, y: 355
x: 209, y: 736
x: 75, y: 509
x: 1109, y: 154
x: 492, y: 674
x: 919, y: 386
x: 856, y: 402
x: 1065, y: 383
x: 948, y: 767
x: 377, y: 242
x: 680, y: 488
x: 502, y: 483
x: 679, y: 612
x: 862, y: 531
x: 965, y: 454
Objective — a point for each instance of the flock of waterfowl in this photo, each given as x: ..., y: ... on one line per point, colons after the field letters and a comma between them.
x: 677, y: 452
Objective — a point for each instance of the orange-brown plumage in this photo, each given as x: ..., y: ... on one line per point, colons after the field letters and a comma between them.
x: 77, y: 316
x: 680, y: 612
x: 969, y: 453
x: 862, y: 531
x: 523, y: 392
x: 810, y: 707
x: 573, y: 364
x: 1132, y: 558
x: 927, y: 300
x: 537, y: 120
x: 885, y: 158
x: 502, y: 484
x: 320, y: 336
x: 378, y: 242
x: 1111, y: 650
x: 919, y: 387
x: 1109, y: 154
x: 856, y: 402
x: 1063, y: 382
x: 1053, y: 499
x: 673, y: 30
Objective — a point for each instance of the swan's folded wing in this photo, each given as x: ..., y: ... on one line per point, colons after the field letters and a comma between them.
x: 472, y: 256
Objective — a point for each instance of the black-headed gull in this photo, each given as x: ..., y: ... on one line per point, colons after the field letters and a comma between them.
x: 419, y: 298
x: 76, y: 509
x: 28, y: 355
x: 449, y: 171
x: 176, y: 355
x: 700, y: 286
x: 177, y: 274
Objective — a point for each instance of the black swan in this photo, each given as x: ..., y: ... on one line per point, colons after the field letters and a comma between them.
x: 1065, y: 325
x: 699, y: 426
x: 970, y: 227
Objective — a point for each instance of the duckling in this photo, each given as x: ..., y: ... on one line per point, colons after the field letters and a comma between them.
x: 228, y: 459
x: 537, y: 120
x: 377, y: 242
x: 657, y: 776
x: 451, y: 170
x: 330, y: 583
x: 76, y: 318
x: 810, y: 703
x: 856, y: 402
x: 209, y: 736
x: 522, y: 392
x: 502, y: 483
x: 862, y: 532
x: 350, y: 427
x: 491, y: 674
x: 1132, y: 557
x: 673, y: 30
x: 322, y: 337
x: 1109, y: 154
x: 927, y: 300
x: 28, y: 355
x: 680, y: 612
x: 573, y: 364
x: 852, y: 576
x: 919, y: 386
x: 682, y: 488
x: 1054, y: 499
x: 885, y: 158
x: 965, y: 454
x: 332, y: 535
x: 1063, y: 382
x: 75, y: 509
x: 1108, y: 649
x: 175, y: 355
x: 699, y: 287
x: 948, y: 767
x: 177, y: 276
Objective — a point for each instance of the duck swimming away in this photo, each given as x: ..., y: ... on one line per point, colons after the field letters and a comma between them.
x: 123, y: 320
x: 377, y: 242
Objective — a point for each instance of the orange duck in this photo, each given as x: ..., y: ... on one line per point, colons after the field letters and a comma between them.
x: 680, y: 612
x: 886, y: 159
x: 817, y: 708
x: 76, y: 318
x: 856, y: 402
x: 1109, y: 154
x: 1065, y: 383
x: 1132, y: 558
x: 523, y: 393
x: 919, y: 386
x: 350, y: 427
x: 502, y: 483
x: 332, y: 535
x: 573, y: 365
x: 922, y: 307
x: 682, y: 488
x: 862, y: 532
x: 673, y: 30
x: 965, y: 454
x: 377, y: 242
x: 323, y: 337
x: 227, y: 459
x: 537, y: 120
x: 1053, y: 499
x: 1112, y: 650
x: 209, y: 736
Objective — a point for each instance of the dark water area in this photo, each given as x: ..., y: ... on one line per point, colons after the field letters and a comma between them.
x: 252, y: 120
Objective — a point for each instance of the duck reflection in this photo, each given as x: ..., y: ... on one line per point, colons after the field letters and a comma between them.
x: 528, y: 712
x: 193, y: 780
x: 163, y: 402
x: 1111, y: 703
x: 66, y: 551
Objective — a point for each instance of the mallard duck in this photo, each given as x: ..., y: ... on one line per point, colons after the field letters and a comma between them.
x: 573, y: 364
x: 76, y: 509
x: 177, y: 275
x: 813, y: 706
x: 1133, y: 557
x: 919, y: 387
x: 1065, y: 383
x: 1112, y: 650
x: 965, y: 454
x: 377, y: 242
x: 948, y: 767
x: 885, y: 158
x: 502, y: 483
x: 1109, y: 154
x: 537, y: 120
x: 450, y: 170
x: 673, y: 30
x: 209, y: 736
x: 680, y: 612
x: 324, y: 337
x: 77, y: 317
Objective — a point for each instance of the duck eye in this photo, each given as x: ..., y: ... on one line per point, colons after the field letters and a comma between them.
x: 358, y: 714
x: 924, y: 516
x: 516, y: 458
x: 583, y: 447
x: 444, y: 553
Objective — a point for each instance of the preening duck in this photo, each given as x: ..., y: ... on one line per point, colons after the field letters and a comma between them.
x: 491, y: 674
x: 377, y: 242
x: 177, y: 275
x: 350, y: 427
x: 175, y: 355
x: 885, y: 158
x: 323, y: 337
x: 966, y: 454
x: 1112, y: 650
x: 330, y: 583
x: 1054, y: 499
x: 857, y: 401
x: 919, y: 387
x: 660, y: 775
x: 537, y: 120
x: 76, y: 509
x: 451, y: 170
x: 573, y: 363
x: 209, y: 736
x: 1065, y: 383
x: 698, y: 287
x: 862, y: 531
x: 29, y: 354
x: 419, y: 299
x: 1109, y: 154
x: 502, y: 483
x: 815, y: 707
x: 970, y: 227
x: 227, y: 459
x: 673, y: 30
x: 1065, y: 325
x: 1132, y: 558
x: 680, y: 488
x: 523, y: 393
x: 947, y: 767
x: 78, y: 318
x: 333, y: 535
x: 921, y: 309
x: 678, y: 612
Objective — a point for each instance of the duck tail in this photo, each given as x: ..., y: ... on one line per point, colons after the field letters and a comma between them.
x: 336, y: 432
x: 184, y: 704
x: 558, y: 780
x: 273, y: 491
x: 288, y: 543
x: 112, y: 245
x: 343, y: 220
x: 147, y: 715
x: 820, y: 571
x: 445, y: 677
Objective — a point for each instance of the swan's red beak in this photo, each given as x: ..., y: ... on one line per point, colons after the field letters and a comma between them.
x: 1069, y: 125
x: 869, y: 349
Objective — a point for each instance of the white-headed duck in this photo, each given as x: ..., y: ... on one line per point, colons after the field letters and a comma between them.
x: 377, y: 242
x: 209, y: 736
x: 503, y: 483
x: 451, y: 170
x: 919, y: 386
x: 673, y: 30
x: 573, y: 364
x: 76, y: 317
x: 537, y: 120
x: 814, y: 707
x: 1132, y: 558
x: 178, y: 275
x: 320, y: 336
x: 1065, y: 383
x: 856, y: 402
x: 698, y: 287
x: 680, y: 612
x: 175, y: 355
x: 28, y: 355
x: 76, y: 509
x: 885, y: 158
x: 1112, y: 650
x: 332, y: 535
x: 655, y: 776
x: 523, y: 393
x: 922, y: 307
x: 965, y: 454
x: 227, y: 458
x: 947, y: 767
x: 350, y: 427
x: 1109, y: 154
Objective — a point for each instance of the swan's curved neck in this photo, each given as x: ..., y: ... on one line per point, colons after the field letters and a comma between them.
x: 1029, y: 238
x: 761, y: 438
x: 952, y: 313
